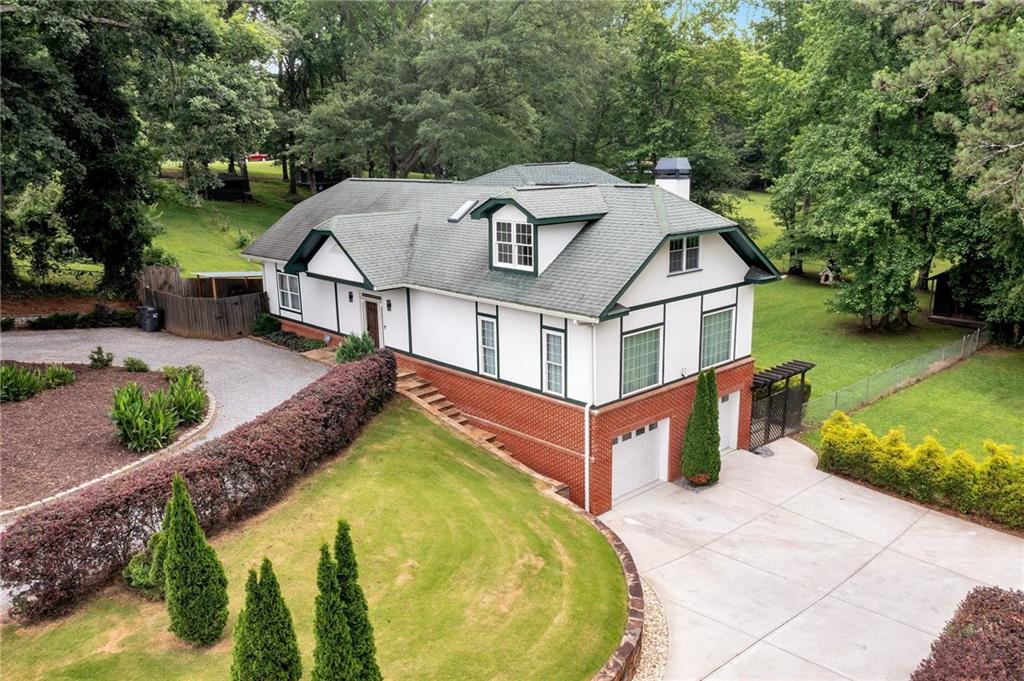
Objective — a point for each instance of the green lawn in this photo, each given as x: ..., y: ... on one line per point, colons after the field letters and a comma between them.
x: 470, y: 573
x: 980, y: 398
x: 757, y: 207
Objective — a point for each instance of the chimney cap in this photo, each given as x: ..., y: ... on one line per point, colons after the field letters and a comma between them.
x: 672, y: 167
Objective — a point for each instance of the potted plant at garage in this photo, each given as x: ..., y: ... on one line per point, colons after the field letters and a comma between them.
x: 702, y: 460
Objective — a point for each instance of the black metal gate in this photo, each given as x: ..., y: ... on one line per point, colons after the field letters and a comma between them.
x: 777, y: 408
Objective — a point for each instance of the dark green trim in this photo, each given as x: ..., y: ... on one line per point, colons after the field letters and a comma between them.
x: 308, y: 248
x: 347, y: 282
x: 703, y: 293
x: 487, y: 208
x: 469, y: 372
x: 732, y: 341
x: 565, y: 358
x: 408, y: 315
x: 656, y: 387
x: 313, y: 326
x: 622, y: 356
x: 586, y: 217
x: 509, y: 268
x: 497, y: 344
x: 277, y: 287
x: 337, y: 311
x: 735, y: 242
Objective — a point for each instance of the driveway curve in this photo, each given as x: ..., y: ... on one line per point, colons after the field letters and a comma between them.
x: 246, y: 377
x: 782, y: 571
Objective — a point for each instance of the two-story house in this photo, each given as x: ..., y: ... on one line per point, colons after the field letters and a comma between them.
x: 559, y: 307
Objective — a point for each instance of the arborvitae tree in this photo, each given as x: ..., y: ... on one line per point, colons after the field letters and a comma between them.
x: 265, y: 645
x: 196, y: 588
x: 244, y: 654
x: 701, y: 458
x: 363, y: 648
x: 332, y: 656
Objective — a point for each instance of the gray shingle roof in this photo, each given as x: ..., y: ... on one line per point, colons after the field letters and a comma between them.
x: 410, y: 227
x: 555, y: 202
x: 562, y: 172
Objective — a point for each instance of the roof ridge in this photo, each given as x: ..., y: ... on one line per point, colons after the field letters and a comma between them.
x: 403, y: 179
x: 538, y: 187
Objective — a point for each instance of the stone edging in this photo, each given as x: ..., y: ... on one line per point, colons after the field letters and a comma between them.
x: 186, y: 439
x: 623, y: 663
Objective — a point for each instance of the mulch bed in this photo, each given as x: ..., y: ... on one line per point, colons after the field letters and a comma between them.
x: 63, y: 437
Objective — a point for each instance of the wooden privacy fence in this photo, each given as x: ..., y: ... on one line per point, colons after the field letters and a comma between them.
x: 187, y: 312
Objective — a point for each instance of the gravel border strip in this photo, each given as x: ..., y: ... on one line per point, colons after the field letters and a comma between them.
x: 654, y: 657
x: 186, y: 439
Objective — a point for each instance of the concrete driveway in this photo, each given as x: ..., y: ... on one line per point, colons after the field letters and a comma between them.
x: 246, y: 377
x: 782, y: 571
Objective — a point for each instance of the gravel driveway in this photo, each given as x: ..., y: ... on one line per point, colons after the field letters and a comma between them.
x: 782, y: 571
x: 246, y: 377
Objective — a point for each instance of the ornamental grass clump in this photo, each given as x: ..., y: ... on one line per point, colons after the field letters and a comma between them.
x: 143, y: 423
x: 702, y: 460
x: 265, y: 645
x: 355, y: 348
x: 187, y: 399
x: 19, y: 383
x: 195, y: 585
x: 57, y: 376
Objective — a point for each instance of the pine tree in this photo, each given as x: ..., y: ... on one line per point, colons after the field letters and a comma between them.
x: 363, y: 648
x: 195, y: 585
x: 332, y: 657
x: 244, y: 654
x: 265, y: 645
x: 701, y: 458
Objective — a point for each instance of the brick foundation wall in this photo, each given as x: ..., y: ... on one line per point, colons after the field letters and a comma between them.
x: 310, y: 331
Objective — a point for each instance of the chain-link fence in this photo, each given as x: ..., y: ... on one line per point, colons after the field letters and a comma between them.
x: 892, y: 379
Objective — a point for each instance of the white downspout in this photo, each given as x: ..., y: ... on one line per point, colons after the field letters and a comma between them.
x: 586, y: 417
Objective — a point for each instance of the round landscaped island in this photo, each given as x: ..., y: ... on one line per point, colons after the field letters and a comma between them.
x: 469, y: 570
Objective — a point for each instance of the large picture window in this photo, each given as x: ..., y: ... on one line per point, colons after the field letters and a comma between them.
x: 554, y: 362
x: 488, y: 334
x: 684, y: 254
x: 288, y: 292
x: 513, y: 244
x: 716, y: 338
x: 641, y: 360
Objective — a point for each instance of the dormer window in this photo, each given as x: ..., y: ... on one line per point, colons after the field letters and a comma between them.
x: 513, y: 245
x: 684, y: 254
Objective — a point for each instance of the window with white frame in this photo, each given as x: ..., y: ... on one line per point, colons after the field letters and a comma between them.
x: 716, y: 338
x: 288, y: 292
x: 641, y: 360
x: 488, y: 335
x: 554, y: 362
x: 684, y: 254
x: 513, y: 244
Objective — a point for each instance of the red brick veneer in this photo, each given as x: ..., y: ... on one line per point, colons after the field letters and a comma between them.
x: 310, y: 331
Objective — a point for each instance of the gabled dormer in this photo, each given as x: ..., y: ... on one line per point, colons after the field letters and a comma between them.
x: 529, y: 227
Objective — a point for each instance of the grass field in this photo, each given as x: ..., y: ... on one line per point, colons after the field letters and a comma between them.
x: 470, y: 573
x: 979, y: 398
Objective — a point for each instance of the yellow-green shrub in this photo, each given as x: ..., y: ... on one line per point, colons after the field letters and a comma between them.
x: 993, y: 488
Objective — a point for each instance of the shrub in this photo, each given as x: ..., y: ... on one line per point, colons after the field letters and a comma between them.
x: 138, y: 574
x: 98, y: 359
x: 994, y: 488
x: 332, y: 655
x: 101, y: 317
x: 984, y: 640
x: 156, y: 255
x: 19, y: 383
x: 6, y: 323
x: 355, y: 348
x: 364, y: 650
x: 294, y: 342
x: 195, y: 586
x: 265, y: 645
x: 702, y: 460
x: 265, y: 324
x: 57, y: 375
x: 187, y: 399
x: 172, y: 373
x: 135, y: 365
x: 143, y: 423
x: 57, y: 553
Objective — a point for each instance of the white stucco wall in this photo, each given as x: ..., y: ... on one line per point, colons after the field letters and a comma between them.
x: 682, y: 334
x: 396, y: 322
x: 330, y: 260
x: 270, y: 285
x: 719, y: 266
x: 318, y: 306
x: 577, y: 357
x: 349, y: 313
x: 608, y: 361
x: 552, y: 239
x: 519, y: 347
x: 744, y: 321
x: 444, y: 329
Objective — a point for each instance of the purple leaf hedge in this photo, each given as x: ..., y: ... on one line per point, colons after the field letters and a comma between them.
x: 53, y: 556
x: 984, y: 640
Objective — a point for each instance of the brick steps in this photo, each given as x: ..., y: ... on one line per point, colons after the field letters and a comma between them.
x: 427, y: 395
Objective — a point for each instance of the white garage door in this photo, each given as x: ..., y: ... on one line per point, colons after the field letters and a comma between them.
x: 638, y: 458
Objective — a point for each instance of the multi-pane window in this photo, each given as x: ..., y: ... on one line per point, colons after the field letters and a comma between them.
x: 641, y: 360
x: 513, y: 242
x: 684, y: 254
x: 288, y: 292
x: 554, y: 362
x: 503, y: 231
x: 488, y: 333
x: 716, y: 338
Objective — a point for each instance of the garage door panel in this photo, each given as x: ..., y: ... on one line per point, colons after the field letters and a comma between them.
x: 637, y: 457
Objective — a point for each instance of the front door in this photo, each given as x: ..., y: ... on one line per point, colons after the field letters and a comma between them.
x: 728, y: 420
x: 373, y: 320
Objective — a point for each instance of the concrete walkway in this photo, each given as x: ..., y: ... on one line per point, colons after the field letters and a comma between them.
x: 782, y: 571
x: 246, y: 377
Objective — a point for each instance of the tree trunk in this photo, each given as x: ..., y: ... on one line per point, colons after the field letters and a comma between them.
x: 311, y: 175
x: 796, y: 264
x: 231, y: 165
x: 284, y: 170
x: 293, y: 188
x: 245, y: 175
x: 923, y: 274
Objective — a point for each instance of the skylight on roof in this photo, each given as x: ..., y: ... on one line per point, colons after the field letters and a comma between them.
x: 463, y: 210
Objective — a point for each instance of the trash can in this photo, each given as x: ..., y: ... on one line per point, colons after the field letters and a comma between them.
x: 149, y: 318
